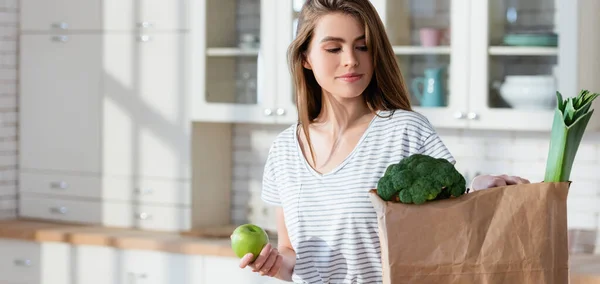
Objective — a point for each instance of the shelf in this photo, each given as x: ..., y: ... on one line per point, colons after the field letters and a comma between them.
x: 523, y: 50
x: 415, y: 50
x: 231, y: 51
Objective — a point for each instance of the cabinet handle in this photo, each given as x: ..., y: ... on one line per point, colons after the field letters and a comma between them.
x: 268, y: 112
x: 23, y: 262
x: 472, y: 116
x: 60, y: 38
x: 145, y: 25
x: 60, y: 25
x: 144, y: 191
x: 144, y: 38
x: 143, y: 216
x: 59, y: 185
x: 60, y: 210
x: 459, y: 115
x: 280, y: 111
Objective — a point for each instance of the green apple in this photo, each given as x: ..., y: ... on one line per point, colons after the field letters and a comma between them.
x: 248, y: 238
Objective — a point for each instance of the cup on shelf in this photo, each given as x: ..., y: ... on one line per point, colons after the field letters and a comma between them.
x: 431, y: 36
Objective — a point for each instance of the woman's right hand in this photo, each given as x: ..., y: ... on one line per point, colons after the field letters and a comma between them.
x: 268, y: 261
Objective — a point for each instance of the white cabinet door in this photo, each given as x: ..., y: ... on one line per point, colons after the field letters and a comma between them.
x: 154, y: 267
x: 146, y: 126
x: 59, y: 107
x: 146, y: 216
x: 60, y: 184
x: 59, y: 15
x: 163, y: 15
x: 95, y: 264
x: 59, y: 209
x: 226, y: 270
x: 26, y: 262
x: 145, y: 15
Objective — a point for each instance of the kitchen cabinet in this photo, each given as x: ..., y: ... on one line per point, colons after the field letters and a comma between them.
x: 235, y: 72
x: 97, y: 264
x: 60, y: 95
x: 34, y: 263
x: 145, y: 15
x: 105, y: 124
x: 465, y: 52
x: 217, y: 267
x: 68, y: 16
x: 60, y: 15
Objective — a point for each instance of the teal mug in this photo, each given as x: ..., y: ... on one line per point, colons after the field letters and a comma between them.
x: 432, y: 93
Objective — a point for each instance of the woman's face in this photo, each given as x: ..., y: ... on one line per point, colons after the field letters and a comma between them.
x: 338, y: 56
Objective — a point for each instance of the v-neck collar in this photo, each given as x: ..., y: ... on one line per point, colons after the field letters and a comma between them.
x: 344, y: 162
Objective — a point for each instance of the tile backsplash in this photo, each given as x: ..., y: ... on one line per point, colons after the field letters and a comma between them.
x: 8, y: 107
x: 476, y: 151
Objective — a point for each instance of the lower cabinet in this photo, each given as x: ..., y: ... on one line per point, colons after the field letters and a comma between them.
x: 25, y: 262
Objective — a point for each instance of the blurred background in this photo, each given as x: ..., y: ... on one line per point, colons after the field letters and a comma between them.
x: 133, y: 133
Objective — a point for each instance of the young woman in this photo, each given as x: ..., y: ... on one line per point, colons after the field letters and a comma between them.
x: 355, y: 119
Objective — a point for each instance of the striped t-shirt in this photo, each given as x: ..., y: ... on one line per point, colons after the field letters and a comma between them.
x: 330, y: 219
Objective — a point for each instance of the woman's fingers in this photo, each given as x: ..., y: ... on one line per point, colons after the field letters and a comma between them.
x: 275, y: 269
x: 510, y: 180
x: 269, y: 263
x: 262, y: 258
x: 246, y: 260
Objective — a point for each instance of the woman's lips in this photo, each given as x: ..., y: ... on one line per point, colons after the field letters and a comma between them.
x: 351, y: 78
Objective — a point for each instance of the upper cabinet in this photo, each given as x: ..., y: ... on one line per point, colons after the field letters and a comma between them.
x: 234, y: 75
x: 62, y: 16
x: 514, y: 64
x: 479, y: 64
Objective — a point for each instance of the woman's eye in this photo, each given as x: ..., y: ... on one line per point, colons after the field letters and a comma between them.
x: 334, y: 50
x: 362, y: 48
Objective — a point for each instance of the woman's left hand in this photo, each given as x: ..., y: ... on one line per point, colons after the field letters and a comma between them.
x: 489, y: 181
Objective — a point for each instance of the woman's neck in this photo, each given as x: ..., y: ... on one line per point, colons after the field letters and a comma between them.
x: 340, y: 114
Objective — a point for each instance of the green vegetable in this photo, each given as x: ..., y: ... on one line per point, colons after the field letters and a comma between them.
x: 420, y: 178
x: 570, y: 120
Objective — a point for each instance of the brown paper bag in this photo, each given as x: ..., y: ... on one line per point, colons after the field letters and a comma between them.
x: 511, y: 234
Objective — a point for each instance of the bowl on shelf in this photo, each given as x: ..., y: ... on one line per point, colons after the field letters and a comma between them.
x: 530, y: 39
x: 529, y: 92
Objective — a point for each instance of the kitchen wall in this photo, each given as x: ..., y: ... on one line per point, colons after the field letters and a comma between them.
x: 8, y: 107
x: 484, y: 152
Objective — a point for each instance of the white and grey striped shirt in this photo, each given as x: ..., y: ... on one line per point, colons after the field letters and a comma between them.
x: 330, y: 219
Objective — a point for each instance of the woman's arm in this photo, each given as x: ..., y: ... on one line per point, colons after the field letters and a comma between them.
x: 285, y: 248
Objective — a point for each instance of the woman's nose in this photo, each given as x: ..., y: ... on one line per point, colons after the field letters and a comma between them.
x: 350, y: 59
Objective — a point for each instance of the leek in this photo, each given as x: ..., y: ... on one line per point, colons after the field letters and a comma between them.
x: 570, y: 120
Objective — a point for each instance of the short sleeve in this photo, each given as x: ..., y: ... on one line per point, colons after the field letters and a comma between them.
x: 434, y: 147
x: 270, y: 191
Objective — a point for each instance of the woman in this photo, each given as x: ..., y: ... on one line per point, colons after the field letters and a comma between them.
x: 355, y: 119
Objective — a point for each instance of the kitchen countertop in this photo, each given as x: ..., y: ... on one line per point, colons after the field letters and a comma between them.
x: 585, y: 269
x: 41, y: 231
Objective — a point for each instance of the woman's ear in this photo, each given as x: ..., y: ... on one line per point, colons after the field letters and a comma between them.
x: 305, y: 61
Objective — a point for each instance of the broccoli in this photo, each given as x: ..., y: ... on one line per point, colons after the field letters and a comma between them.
x: 420, y: 178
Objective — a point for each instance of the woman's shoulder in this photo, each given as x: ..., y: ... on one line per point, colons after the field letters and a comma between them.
x: 403, y: 119
x: 285, y: 138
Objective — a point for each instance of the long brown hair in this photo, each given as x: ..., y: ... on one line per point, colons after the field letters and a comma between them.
x: 386, y: 91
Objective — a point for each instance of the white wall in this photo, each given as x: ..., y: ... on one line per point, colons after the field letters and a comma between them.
x: 484, y: 152
x: 8, y: 107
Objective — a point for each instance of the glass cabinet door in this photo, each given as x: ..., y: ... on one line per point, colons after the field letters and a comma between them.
x: 515, y: 62
x: 427, y: 36
x: 232, y: 39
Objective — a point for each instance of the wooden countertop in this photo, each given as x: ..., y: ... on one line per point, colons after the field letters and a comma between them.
x: 585, y: 269
x: 40, y: 231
